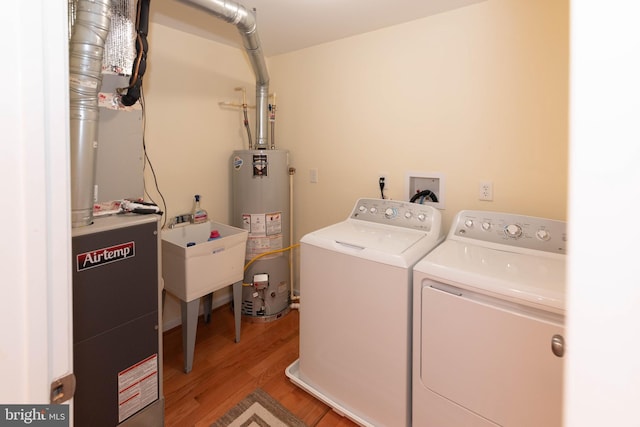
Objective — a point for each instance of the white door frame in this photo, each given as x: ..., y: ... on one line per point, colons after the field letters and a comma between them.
x: 36, y: 345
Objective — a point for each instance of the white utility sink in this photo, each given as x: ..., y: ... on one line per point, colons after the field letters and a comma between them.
x: 195, y: 271
x: 191, y: 272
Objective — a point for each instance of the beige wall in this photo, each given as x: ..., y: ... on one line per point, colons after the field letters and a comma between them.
x: 189, y: 136
x: 478, y: 93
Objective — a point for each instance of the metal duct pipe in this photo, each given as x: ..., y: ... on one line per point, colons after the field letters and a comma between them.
x: 86, y: 50
x: 245, y: 21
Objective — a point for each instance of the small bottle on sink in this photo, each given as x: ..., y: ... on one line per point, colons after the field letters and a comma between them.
x: 199, y: 214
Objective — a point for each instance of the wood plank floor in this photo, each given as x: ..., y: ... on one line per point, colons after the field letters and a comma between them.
x: 224, y: 372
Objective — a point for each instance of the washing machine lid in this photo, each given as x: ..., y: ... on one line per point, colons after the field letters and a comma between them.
x: 379, y: 242
x: 532, y: 279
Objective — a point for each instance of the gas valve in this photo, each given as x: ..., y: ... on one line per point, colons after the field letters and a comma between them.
x: 260, y: 281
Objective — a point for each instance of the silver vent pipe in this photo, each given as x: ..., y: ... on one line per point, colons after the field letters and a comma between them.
x: 245, y: 21
x: 86, y: 50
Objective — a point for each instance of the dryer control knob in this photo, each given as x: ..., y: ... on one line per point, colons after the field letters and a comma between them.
x: 390, y: 213
x: 373, y: 210
x: 422, y: 217
x: 408, y: 214
x: 543, y: 235
x: 486, y: 226
x: 468, y: 223
x: 362, y: 208
x: 513, y: 230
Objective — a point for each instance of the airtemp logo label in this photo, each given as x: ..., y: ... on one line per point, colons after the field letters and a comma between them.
x: 104, y: 256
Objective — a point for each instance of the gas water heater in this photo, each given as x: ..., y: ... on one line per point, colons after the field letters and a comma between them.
x: 259, y: 183
x: 260, y: 187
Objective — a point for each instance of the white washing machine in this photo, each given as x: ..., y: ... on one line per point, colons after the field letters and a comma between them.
x: 355, y: 311
x: 489, y: 306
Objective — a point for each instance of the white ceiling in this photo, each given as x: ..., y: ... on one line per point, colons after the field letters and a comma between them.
x: 289, y: 25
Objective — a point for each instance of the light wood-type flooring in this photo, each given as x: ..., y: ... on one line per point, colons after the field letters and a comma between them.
x: 224, y: 372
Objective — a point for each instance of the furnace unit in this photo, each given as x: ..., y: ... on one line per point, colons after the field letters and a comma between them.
x: 117, y: 341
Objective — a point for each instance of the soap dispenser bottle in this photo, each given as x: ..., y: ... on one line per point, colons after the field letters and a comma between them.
x: 199, y: 214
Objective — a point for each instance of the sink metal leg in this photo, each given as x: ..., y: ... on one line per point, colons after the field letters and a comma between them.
x: 189, y: 312
x: 207, y: 304
x: 237, y: 306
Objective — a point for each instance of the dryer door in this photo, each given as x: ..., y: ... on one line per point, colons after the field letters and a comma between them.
x: 491, y: 357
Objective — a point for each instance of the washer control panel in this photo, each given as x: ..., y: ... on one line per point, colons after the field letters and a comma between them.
x: 511, y: 229
x: 398, y: 213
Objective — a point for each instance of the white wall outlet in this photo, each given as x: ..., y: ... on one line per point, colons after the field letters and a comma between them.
x: 486, y: 191
x: 420, y: 181
x: 313, y: 175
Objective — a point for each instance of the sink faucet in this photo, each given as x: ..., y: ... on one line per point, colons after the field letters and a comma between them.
x: 180, y: 219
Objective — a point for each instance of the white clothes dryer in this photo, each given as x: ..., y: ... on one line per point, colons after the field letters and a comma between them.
x: 489, y: 305
x: 355, y: 311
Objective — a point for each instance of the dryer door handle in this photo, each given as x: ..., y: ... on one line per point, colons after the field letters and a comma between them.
x: 447, y: 288
x: 557, y: 345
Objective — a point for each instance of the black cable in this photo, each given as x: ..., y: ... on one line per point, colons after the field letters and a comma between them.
x: 134, y: 90
x: 381, y: 182
x: 424, y: 194
x: 148, y: 160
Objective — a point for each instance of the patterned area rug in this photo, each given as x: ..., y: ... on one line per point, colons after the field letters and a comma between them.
x: 258, y: 410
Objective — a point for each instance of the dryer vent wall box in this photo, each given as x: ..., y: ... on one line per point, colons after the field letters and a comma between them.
x: 418, y: 182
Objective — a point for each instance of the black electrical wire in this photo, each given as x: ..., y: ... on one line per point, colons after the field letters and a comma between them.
x: 148, y: 160
x: 381, y: 182
x: 134, y: 89
x: 423, y: 195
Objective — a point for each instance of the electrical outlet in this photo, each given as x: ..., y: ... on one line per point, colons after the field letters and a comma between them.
x: 313, y: 175
x: 486, y: 191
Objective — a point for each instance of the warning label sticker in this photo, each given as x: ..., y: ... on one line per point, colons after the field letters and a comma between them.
x: 137, y: 387
x: 274, y: 223
x: 265, y: 232
x: 262, y: 224
x: 258, y: 227
x: 260, y: 245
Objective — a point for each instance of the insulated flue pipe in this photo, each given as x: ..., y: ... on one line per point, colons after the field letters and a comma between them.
x: 245, y: 22
x: 86, y: 50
